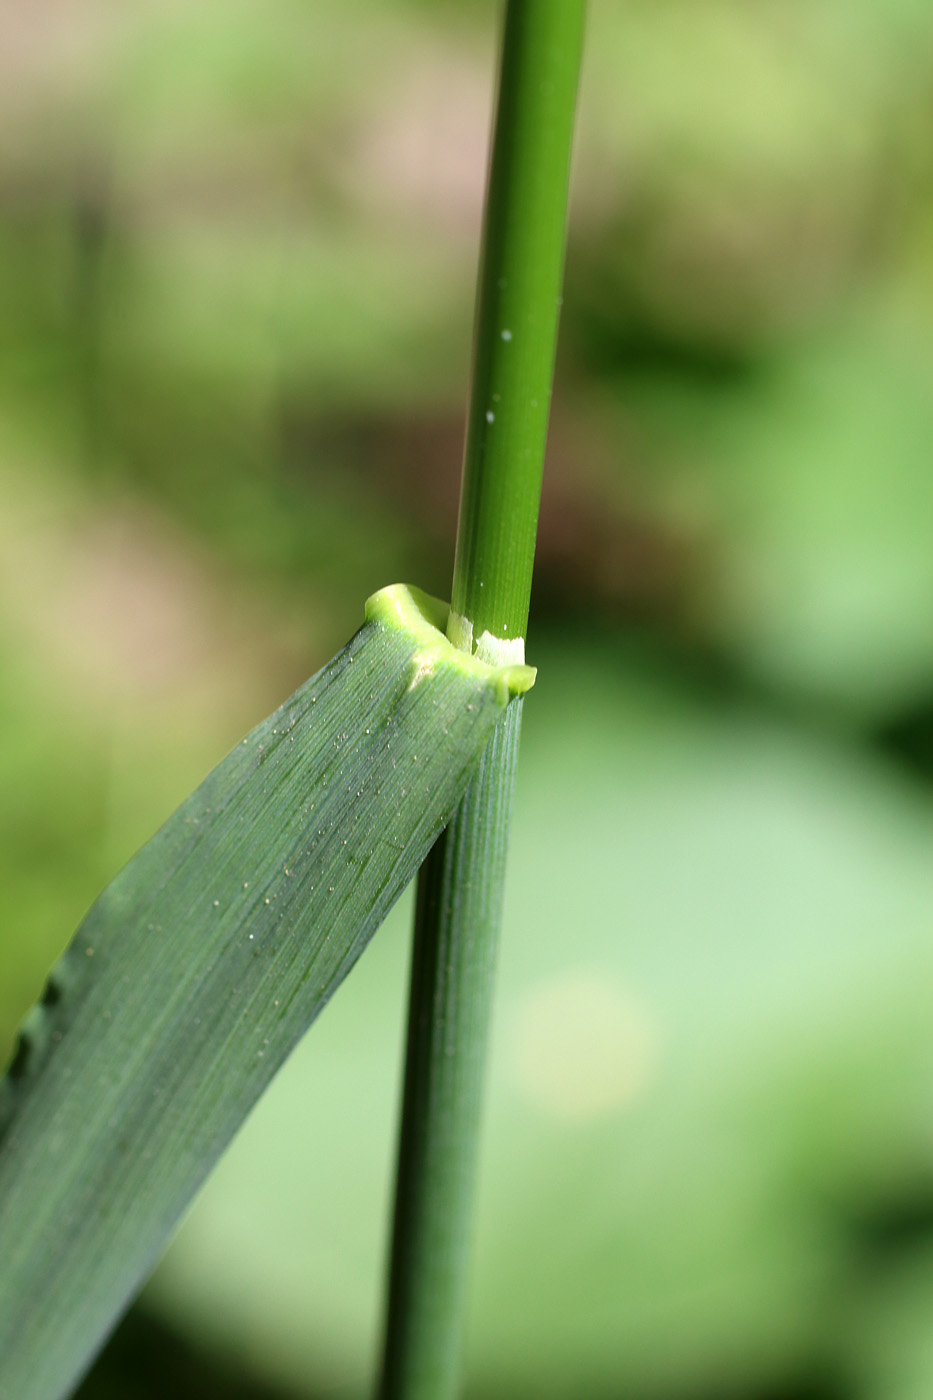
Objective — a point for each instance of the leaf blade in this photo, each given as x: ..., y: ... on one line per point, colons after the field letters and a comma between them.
x: 204, y: 962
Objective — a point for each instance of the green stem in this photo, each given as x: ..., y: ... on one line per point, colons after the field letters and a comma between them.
x: 453, y: 962
x: 461, y: 883
x: 517, y: 314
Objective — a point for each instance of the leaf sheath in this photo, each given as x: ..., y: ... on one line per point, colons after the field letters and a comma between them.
x: 460, y: 892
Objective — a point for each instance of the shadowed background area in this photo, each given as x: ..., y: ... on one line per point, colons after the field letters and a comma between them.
x: 237, y: 255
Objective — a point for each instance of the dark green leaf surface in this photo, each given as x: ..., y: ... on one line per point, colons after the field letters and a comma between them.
x: 203, y: 963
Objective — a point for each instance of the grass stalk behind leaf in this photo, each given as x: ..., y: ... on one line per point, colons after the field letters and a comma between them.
x: 461, y: 885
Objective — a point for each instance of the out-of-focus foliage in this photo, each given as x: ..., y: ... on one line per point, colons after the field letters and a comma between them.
x: 237, y: 252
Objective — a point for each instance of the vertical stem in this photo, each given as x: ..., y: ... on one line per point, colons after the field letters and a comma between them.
x: 517, y: 313
x: 461, y: 884
x: 453, y: 962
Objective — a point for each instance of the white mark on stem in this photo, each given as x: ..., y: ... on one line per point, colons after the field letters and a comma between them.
x: 495, y: 651
x: 460, y: 631
x: 501, y: 651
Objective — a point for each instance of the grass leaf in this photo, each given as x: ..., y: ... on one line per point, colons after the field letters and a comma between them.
x: 203, y: 963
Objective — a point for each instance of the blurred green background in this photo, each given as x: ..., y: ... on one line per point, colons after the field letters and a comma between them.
x: 237, y: 250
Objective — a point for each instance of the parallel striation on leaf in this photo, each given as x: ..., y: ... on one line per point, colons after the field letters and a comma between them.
x: 203, y: 963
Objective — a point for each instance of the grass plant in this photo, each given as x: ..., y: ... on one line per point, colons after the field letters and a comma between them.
x: 197, y: 970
